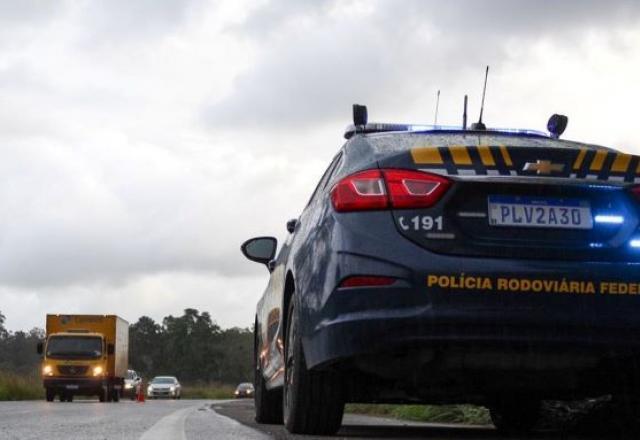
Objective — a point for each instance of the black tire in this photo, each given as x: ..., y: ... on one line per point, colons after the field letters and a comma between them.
x: 115, y: 395
x: 624, y: 417
x: 104, y: 394
x: 313, y: 400
x: 516, y: 416
x: 50, y: 395
x: 267, y: 403
x: 69, y: 397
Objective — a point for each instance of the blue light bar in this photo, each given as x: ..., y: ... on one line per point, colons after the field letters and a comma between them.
x: 635, y: 243
x: 609, y: 219
x: 375, y: 127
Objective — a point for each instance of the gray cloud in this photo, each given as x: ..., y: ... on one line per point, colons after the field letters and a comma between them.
x: 314, y: 62
x: 142, y: 143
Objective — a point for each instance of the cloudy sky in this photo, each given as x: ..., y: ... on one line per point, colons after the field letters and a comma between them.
x: 142, y: 141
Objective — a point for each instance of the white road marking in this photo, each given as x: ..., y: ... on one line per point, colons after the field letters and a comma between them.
x: 235, y: 430
x: 170, y: 427
x: 197, y: 422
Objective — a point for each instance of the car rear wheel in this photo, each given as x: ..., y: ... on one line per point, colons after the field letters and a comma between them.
x: 516, y: 416
x: 313, y: 401
x: 50, y: 395
x: 268, y: 403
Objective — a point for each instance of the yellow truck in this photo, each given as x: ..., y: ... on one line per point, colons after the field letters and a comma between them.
x: 85, y: 355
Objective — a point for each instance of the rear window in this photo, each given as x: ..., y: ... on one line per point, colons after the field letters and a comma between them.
x: 389, y: 143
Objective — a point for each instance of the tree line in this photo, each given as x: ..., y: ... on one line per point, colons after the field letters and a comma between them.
x: 191, y: 346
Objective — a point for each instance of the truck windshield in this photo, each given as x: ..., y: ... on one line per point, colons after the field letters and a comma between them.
x: 74, y: 346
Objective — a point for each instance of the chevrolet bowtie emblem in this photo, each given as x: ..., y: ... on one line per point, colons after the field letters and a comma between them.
x: 544, y: 167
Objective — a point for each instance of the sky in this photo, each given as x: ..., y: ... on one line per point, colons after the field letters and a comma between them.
x: 142, y: 142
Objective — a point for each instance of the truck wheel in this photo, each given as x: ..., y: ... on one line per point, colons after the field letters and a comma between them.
x: 115, y: 395
x: 313, y: 400
x: 63, y: 397
x: 104, y: 394
x: 268, y: 403
x: 50, y: 394
x: 69, y: 397
x: 515, y: 416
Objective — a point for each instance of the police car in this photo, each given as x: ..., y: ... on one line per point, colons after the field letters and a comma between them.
x: 445, y: 265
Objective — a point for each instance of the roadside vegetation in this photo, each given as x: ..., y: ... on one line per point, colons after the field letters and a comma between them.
x: 460, y: 414
x: 15, y: 387
x: 208, y: 391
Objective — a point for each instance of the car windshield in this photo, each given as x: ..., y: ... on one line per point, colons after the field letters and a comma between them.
x: 245, y: 386
x: 163, y: 380
x: 74, y: 346
x: 384, y: 144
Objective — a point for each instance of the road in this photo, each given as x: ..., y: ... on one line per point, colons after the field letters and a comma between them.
x: 199, y: 419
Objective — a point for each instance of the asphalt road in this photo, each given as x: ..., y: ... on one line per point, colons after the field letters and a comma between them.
x: 204, y: 419
x: 153, y: 420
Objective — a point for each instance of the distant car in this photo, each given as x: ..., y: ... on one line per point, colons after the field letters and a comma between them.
x: 244, y: 390
x: 164, y: 386
x: 132, y: 382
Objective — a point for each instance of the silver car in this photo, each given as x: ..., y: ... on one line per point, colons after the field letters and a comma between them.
x: 164, y: 386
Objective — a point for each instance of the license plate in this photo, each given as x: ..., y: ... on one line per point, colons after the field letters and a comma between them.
x: 537, y: 212
x: 71, y: 387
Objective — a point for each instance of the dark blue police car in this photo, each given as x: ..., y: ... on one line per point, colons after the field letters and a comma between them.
x: 443, y: 265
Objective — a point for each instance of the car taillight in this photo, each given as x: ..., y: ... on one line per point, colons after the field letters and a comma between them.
x: 414, y: 189
x: 388, y: 188
x: 367, y: 281
x: 362, y: 191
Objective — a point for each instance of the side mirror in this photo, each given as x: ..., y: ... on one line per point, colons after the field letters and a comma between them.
x: 291, y: 225
x: 111, y: 349
x: 260, y: 249
x: 40, y: 347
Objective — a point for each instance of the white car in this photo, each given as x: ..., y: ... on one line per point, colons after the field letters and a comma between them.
x: 164, y: 386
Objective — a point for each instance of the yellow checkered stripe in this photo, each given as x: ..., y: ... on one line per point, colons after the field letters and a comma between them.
x: 583, y: 163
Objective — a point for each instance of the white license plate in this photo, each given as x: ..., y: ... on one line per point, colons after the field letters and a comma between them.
x: 534, y: 212
x: 71, y: 387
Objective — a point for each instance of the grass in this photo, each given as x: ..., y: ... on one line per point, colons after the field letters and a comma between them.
x: 15, y: 387
x: 207, y: 391
x: 462, y: 414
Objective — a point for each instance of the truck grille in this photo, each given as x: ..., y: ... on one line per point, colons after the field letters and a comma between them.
x: 73, y: 370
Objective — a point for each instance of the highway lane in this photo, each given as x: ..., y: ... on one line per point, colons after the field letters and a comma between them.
x: 207, y: 419
x: 81, y: 420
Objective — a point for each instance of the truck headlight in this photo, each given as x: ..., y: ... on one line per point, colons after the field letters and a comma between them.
x: 128, y: 386
x: 97, y: 371
x: 47, y: 370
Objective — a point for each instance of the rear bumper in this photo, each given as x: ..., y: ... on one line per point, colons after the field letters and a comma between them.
x: 505, y: 311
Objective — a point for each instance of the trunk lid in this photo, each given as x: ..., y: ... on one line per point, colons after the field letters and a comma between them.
x: 520, y: 197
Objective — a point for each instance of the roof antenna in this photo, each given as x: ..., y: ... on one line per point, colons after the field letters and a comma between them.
x: 435, y: 121
x: 464, y: 113
x: 479, y: 125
